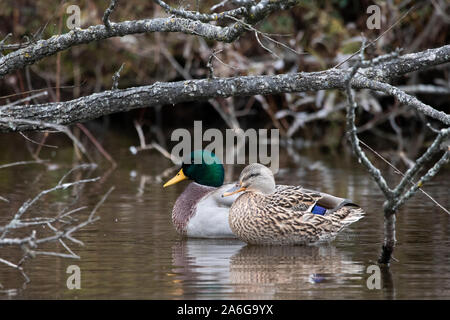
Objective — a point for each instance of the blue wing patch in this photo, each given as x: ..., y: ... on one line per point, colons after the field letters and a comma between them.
x: 318, y: 210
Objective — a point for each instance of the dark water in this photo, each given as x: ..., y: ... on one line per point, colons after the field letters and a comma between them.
x: 134, y: 252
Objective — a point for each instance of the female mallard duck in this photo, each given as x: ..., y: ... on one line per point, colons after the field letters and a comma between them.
x: 201, y: 211
x: 291, y: 215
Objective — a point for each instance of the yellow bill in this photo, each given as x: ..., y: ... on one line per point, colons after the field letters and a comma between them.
x: 179, y: 177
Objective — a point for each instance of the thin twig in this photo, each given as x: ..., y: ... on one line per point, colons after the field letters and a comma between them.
x: 377, y: 38
x: 351, y: 128
x: 97, y: 144
x: 108, y: 12
x: 204, y: 17
x: 20, y: 163
x: 34, y: 96
x: 116, y: 78
x: 35, y: 142
x: 396, y: 170
x: 12, y: 123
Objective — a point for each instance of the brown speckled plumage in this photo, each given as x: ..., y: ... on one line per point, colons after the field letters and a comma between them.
x: 284, y: 216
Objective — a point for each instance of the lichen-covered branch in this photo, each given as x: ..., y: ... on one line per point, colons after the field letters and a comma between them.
x: 204, y: 17
x: 48, y: 47
x: 426, y: 158
x: 397, y: 197
x: 352, y: 131
x: 410, y: 100
x: 108, y: 12
x: 422, y: 161
x: 191, y: 25
x: 107, y: 102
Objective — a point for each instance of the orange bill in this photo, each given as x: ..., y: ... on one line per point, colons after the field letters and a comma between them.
x: 237, y: 188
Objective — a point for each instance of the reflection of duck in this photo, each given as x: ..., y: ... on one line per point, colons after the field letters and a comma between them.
x: 291, y: 215
x: 268, y: 272
x: 202, y: 266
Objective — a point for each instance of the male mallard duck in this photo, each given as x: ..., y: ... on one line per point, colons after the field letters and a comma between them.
x: 291, y: 215
x: 201, y: 211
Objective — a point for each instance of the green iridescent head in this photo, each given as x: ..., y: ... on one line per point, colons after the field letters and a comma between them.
x: 204, y: 167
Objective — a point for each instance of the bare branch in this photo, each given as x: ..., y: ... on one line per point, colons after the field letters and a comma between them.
x: 410, y: 101
x: 394, y: 198
x: 108, y: 12
x: 428, y: 176
x: 144, y: 146
x: 219, y: 5
x: 421, y: 162
x: 19, y: 163
x: 116, y: 78
x: 38, y: 143
x: 44, y: 48
x: 13, y: 122
x: 36, y: 95
x: 107, y: 102
x: 204, y: 17
x: 352, y: 131
x: 364, y: 46
x: 396, y: 170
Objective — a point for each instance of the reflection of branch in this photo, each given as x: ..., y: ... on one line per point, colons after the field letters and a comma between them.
x: 16, y: 223
x: 29, y: 244
x: 15, y: 266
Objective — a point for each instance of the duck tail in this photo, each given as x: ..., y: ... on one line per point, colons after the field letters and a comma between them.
x: 347, y: 214
x: 343, y: 211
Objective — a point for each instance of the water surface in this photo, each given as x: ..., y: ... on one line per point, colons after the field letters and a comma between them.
x: 133, y: 252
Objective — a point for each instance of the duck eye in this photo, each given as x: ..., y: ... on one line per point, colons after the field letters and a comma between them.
x: 253, y: 175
